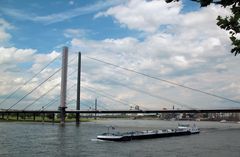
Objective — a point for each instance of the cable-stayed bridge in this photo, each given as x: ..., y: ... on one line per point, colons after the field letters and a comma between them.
x: 10, y: 104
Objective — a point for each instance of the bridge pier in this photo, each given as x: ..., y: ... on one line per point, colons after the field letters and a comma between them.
x: 53, y: 118
x: 34, y: 116
x: 43, y: 117
x: 17, y: 116
x: 2, y: 115
x: 95, y: 115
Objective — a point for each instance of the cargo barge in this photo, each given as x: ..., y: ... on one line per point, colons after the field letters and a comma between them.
x: 182, y: 130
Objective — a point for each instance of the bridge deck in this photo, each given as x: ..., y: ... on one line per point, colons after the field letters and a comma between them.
x: 127, y: 111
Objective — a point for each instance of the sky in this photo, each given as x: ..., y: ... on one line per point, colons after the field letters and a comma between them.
x: 179, y: 42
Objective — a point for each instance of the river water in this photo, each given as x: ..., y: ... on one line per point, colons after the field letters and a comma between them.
x: 52, y: 140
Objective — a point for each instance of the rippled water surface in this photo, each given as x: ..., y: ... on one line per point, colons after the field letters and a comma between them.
x: 37, y: 140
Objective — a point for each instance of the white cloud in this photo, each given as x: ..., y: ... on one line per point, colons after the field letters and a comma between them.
x: 18, y: 66
x: 13, y: 55
x: 44, y: 58
x: 75, y: 33
x: 179, y: 61
x: 148, y: 16
x: 4, y: 24
x: 4, y: 35
x: 158, y: 61
x: 39, y: 60
x: 190, y: 51
x: 145, y: 15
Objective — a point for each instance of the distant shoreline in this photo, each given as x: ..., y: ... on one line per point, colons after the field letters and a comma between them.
x: 46, y: 120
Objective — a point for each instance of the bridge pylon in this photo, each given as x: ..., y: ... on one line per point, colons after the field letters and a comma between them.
x: 78, y: 89
x: 63, y: 93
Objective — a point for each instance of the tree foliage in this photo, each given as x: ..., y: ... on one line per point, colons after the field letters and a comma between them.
x: 229, y: 23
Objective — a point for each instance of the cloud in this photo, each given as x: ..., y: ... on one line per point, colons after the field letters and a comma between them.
x: 178, y: 65
x: 179, y: 61
x: 18, y: 66
x: 4, y: 24
x: 155, y: 15
x: 145, y: 15
x: 75, y: 33
x: 191, y: 51
x: 13, y: 55
x: 40, y: 59
x: 4, y: 35
x: 59, y: 17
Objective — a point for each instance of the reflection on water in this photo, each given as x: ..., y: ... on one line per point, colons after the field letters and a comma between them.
x: 37, y: 139
x: 61, y: 132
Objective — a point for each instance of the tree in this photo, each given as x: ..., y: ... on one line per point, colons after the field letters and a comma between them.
x: 229, y: 23
x: 71, y: 115
x: 50, y: 116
